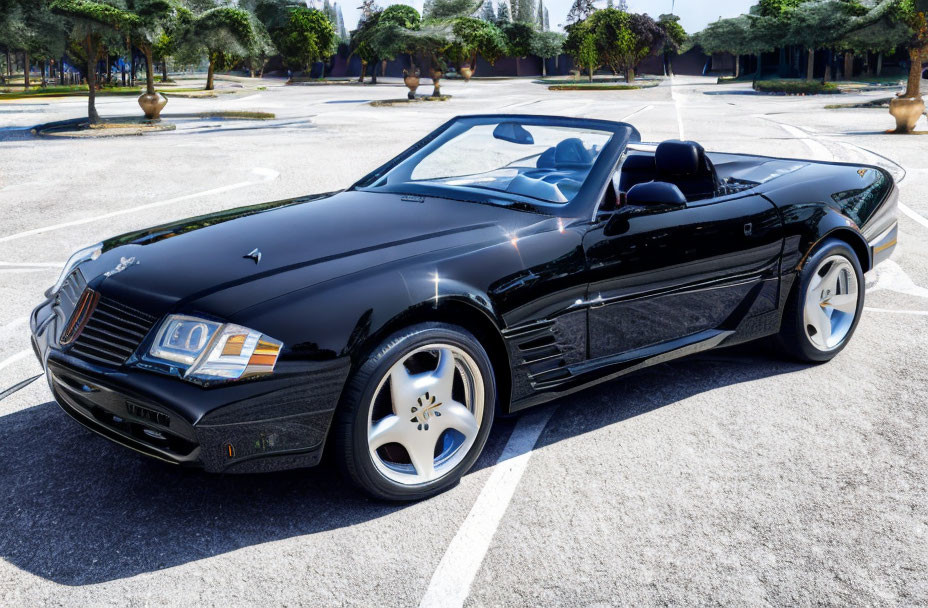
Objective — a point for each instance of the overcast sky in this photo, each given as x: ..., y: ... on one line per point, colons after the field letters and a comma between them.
x: 694, y: 14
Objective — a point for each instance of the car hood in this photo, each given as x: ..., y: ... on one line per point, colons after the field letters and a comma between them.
x: 293, y: 244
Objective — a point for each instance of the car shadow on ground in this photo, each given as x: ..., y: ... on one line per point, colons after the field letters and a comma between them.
x: 76, y: 509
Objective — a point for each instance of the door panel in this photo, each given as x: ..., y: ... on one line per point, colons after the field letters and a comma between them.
x: 659, y: 275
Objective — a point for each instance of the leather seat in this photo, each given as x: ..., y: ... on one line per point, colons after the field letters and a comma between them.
x: 636, y: 169
x: 572, y: 154
x: 684, y: 164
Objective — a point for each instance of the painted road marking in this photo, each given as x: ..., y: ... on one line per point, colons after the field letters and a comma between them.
x: 14, y: 358
x: 900, y: 312
x: 266, y: 175
x: 58, y: 265
x: 815, y: 147
x: 913, y: 214
x: 450, y: 584
x: 636, y: 112
x: 676, y: 105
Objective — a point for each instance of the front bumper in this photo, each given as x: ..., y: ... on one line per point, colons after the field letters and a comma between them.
x: 271, y: 424
x: 884, y: 244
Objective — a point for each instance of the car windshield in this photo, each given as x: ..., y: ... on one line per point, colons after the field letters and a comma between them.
x: 543, y: 162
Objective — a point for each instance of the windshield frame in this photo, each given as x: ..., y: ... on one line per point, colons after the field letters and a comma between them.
x: 581, y: 204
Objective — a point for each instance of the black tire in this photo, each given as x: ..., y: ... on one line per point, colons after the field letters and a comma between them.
x: 351, y: 420
x: 793, y: 338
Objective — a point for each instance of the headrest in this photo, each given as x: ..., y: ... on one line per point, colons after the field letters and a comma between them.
x: 638, y: 162
x: 571, y: 152
x: 546, y: 160
x: 654, y: 193
x: 675, y: 157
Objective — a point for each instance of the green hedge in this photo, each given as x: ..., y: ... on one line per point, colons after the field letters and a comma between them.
x: 592, y: 86
x: 795, y: 87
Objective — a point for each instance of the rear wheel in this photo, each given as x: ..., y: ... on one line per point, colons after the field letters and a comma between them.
x: 824, y: 307
x: 416, y: 413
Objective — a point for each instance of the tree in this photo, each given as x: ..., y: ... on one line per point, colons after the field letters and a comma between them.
x: 224, y: 32
x: 502, y: 13
x: 518, y: 39
x: 155, y: 19
x: 675, y: 39
x: 580, y: 10
x: 342, y: 30
x: 612, y: 36
x: 308, y: 36
x: 648, y: 38
x: 525, y: 12
x: 175, y: 30
x: 402, y: 15
x: 368, y: 8
x: 728, y: 36
x: 261, y: 49
x: 821, y: 24
x: 884, y: 33
x: 487, y: 13
x: 547, y: 45
x: 540, y: 16
x: 547, y: 27
x: 580, y: 45
x: 329, y: 11
x: 914, y: 14
x: 473, y: 36
x: 450, y: 9
x: 361, y: 45
x: 91, y: 22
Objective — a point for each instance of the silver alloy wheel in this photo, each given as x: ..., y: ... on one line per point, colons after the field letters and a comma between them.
x: 435, y: 430
x: 831, y: 303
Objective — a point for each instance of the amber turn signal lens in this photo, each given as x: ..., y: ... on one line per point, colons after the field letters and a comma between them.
x: 233, y: 345
x: 265, y: 355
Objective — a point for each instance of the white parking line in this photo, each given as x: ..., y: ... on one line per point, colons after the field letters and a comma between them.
x: 450, y: 584
x: 14, y: 358
x: 676, y: 106
x: 266, y: 174
x: 636, y: 112
x: 913, y: 214
x: 58, y: 265
x: 901, y: 312
x: 815, y: 147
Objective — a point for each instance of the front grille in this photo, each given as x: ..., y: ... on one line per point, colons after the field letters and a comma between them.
x: 112, y: 333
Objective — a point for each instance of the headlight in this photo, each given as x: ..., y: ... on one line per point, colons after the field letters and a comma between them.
x: 77, y: 258
x: 207, y: 350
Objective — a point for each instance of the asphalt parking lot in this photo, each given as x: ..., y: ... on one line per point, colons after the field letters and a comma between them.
x: 734, y: 477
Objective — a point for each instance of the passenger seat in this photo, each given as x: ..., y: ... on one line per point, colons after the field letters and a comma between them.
x: 684, y: 164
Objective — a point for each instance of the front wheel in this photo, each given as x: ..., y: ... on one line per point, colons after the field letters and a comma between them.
x: 823, y: 310
x: 416, y: 413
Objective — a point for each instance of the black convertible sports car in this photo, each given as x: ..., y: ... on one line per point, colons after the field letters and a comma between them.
x: 500, y: 262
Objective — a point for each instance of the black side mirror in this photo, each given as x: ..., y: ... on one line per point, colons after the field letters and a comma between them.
x: 655, y: 195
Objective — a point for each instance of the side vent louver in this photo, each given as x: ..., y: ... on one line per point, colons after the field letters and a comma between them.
x: 542, y: 357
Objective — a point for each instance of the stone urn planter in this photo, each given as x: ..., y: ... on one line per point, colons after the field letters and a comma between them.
x: 412, y: 82
x: 152, y: 104
x: 906, y: 111
x: 436, y: 77
x: 467, y: 72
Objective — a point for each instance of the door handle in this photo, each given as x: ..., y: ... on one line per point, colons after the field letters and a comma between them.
x: 748, y: 229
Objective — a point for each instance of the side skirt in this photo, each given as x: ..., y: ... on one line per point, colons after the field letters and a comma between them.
x: 589, y: 373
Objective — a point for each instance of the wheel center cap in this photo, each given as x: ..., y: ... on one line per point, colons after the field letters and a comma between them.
x: 426, y: 407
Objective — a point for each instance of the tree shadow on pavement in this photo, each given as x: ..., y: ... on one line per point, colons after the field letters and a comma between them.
x: 77, y: 510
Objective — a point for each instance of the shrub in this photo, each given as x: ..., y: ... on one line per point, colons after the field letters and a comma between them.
x: 795, y: 87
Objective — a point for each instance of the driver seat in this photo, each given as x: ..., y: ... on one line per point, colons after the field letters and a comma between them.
x: 685, y: 165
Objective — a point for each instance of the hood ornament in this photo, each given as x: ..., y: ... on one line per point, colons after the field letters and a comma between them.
x: 255, y: 255
x: 122, y: 265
